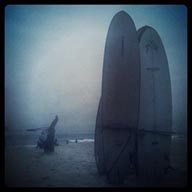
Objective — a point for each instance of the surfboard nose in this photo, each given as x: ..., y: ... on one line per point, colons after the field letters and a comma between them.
x: 122, y: 19
x: 121, y: 13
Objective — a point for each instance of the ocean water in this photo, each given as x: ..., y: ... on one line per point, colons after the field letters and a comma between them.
x: 30, y: 138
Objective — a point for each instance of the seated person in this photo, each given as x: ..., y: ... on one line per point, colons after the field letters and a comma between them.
x: 47, y: 139
x: 42, y: 139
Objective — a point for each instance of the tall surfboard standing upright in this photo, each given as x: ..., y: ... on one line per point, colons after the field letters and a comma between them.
x: 155, y: 117
x: 118, y: 111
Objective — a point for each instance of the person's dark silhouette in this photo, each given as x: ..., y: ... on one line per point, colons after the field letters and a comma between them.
x: 50, y: 141
x: 42, y: 139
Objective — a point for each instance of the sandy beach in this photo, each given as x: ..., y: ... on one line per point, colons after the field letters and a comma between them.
x: 73, y: 165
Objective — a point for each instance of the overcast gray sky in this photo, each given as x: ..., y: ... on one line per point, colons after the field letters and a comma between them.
x: 54, y: 59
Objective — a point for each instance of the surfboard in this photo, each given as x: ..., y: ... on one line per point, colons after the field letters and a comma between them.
x: 155, y: 116
x: 117, y: 117
x: 99, y: 153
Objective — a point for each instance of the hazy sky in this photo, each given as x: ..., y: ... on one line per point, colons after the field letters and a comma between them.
x: 54, y: 59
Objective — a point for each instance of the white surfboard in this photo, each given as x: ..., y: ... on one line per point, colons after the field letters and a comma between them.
x: 117, y: 118
x: 155, y: 117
